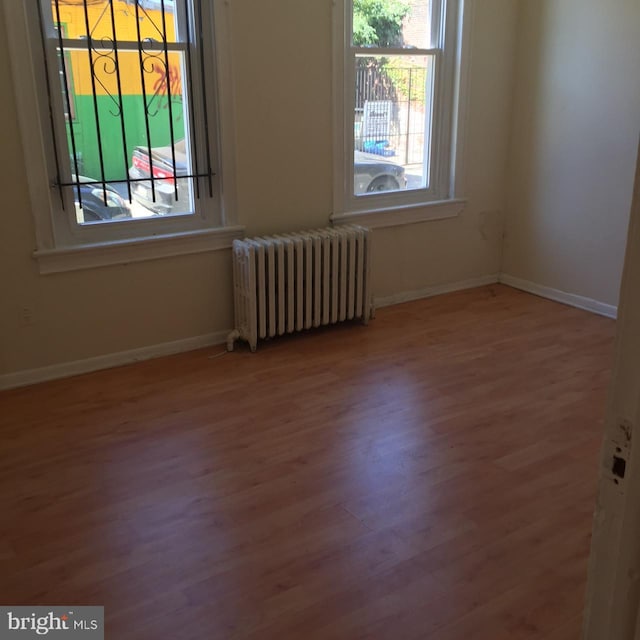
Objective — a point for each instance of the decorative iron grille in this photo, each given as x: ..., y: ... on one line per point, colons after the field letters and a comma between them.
x: 115, y: 45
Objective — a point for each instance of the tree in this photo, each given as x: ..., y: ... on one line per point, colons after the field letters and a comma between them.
x: 378, y: 22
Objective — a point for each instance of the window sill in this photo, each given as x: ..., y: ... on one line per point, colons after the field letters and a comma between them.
x: 101, y: 254
x: 398, y: 216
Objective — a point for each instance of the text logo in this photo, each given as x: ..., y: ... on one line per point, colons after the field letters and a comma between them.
x: 20, y: 623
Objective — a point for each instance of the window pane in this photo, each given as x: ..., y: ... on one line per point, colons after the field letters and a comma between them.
x: 392, y: 23
x: 148, y: 16
x: 392, y: 123
x: 115, y: 146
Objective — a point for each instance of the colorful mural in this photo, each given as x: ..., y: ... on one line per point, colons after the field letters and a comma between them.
x: 116, y: 92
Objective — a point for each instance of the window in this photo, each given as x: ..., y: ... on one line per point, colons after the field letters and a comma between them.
x: 396, y: 88
x: 126, y: 93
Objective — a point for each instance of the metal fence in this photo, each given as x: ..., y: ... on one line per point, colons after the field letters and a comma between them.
x: 391, y: 110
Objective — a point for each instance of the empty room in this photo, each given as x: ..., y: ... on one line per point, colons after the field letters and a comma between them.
x: 318, y: 319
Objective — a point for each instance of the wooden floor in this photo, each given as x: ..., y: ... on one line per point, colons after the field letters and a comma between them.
x: 431, y: 476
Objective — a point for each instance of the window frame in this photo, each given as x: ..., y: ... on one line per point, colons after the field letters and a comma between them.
x: 442, y: 199
x: 62, y: 244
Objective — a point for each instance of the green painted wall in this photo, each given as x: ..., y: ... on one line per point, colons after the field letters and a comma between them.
x: 86, y: 139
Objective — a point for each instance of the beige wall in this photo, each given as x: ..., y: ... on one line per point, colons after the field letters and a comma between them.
x: 575, y: 132
x: 282, y: 72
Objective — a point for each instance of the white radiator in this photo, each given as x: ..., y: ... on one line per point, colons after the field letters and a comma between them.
x: 297, y: 281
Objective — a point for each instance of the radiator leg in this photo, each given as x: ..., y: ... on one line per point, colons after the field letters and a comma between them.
x: 371, y: 316
x: 231, y: 338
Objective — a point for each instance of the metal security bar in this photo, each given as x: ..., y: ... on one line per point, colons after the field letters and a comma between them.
x: 100, y: 54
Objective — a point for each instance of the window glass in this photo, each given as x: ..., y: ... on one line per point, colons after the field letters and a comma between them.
x: 147, y: 15
x: 392, y: 132
x: 398, y: 99
x: 125, y: 87
x: 392, y: 23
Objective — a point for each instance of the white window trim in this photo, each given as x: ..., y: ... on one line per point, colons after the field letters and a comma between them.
x: 55, y: 254
x: 403, y: 214
x: 102, y: 254
x: 396, y: 209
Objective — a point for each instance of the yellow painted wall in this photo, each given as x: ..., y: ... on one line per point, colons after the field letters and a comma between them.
x: 74, y: 21
x: 72, y: 15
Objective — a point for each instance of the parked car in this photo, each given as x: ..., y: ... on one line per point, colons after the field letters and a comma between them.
x: 162, y: 160
x: 373, y: 173
x: 94, y: 208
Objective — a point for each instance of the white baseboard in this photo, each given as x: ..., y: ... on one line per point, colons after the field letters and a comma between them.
x: 570, y: 299
x: 435, y: 290
x: 66, y: 369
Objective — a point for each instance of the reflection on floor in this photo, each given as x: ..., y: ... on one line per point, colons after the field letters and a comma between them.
x: 431, y: 476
